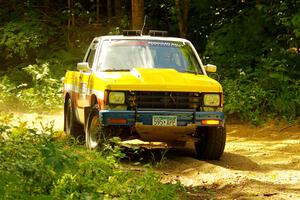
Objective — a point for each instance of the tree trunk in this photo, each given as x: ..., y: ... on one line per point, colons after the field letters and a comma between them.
x: 69, y: 24
x: 69, y: 18
x: 182, y: 16
x: 118, y: 8
x: 97, y: 11
x: 108, y: 10
x: 137, y: 10
x: 73, y: 19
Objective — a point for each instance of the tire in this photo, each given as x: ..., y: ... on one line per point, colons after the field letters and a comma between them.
x: 96, y: 135
x: 212, y: 143
x: 73, y: 128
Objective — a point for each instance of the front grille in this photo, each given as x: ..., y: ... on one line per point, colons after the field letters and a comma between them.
x: 164, y: 100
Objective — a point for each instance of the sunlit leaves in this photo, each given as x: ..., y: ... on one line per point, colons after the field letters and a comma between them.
x: 37, y: 89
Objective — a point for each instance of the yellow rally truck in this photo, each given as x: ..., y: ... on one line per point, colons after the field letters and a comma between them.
x: 149, y: 87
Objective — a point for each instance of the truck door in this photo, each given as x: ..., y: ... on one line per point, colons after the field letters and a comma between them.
x: 84, y: 91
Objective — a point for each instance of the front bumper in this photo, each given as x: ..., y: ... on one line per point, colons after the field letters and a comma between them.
x: 142, y: 117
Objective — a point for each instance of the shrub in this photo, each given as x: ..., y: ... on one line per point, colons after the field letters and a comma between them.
x: 20, y: 36
x: 259, y: 74
x: 35, y: 90
x: 34, y: 164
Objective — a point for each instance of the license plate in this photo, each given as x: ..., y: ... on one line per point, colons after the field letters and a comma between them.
x: 164, y: 120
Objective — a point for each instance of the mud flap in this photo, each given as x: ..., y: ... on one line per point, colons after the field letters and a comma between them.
x: 87, y: 111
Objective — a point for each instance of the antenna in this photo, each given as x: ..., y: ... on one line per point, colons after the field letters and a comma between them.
x: 145, y: 18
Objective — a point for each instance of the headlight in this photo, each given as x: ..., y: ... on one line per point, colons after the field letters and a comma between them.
x: 211, y: 100
x: 116, y: 97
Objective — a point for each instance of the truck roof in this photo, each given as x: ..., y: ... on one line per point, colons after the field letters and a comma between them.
x: 143, y: 37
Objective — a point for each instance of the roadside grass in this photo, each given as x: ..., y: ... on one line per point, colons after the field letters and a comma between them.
x: 41, y: 164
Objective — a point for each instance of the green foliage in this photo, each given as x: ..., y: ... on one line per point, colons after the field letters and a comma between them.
x: 18, y: 37
x: 35, y: 164
x: 47, y: 89
x: 247, y: 101
x: 138, y: 187
x: 39, y: 89
x: 259, y: 73
x: 161, y: 16
x: 115, y: 31
x: 6, y: 88
x: 296, y: 24
x: 231, y: 52
x: 24, y: 166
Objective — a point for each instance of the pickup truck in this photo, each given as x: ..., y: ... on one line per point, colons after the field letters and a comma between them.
x: 148, y: 87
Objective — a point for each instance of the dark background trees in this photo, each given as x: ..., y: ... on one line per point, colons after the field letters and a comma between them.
x: 255, y: 44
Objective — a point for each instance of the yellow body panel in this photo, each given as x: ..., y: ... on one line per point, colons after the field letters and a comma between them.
x: 142, y: 79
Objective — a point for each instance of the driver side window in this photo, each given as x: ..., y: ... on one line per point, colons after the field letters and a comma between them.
x: 90, y: 58
x: 91, y: 55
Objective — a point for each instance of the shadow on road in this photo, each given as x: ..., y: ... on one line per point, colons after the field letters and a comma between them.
x: 185, y: 158
x: 237, y: 162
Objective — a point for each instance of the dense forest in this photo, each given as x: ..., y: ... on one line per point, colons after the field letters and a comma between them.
x: 255, y: 45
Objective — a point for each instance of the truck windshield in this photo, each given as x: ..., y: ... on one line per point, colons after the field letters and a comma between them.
x: 120, y: 55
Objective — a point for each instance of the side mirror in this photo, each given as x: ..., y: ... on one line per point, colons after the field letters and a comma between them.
x: 210, y: 68
x: 83, y: 66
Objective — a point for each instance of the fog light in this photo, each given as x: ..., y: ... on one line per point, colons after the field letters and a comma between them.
x: 210, y: 122
x: 117, y: 121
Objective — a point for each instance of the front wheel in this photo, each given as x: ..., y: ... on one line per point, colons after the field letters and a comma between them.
x: 72, y: 127
x: 211, y: 143
x: 96, y: 135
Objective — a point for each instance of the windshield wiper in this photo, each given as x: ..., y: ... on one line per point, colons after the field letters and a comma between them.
x: 115, y: 70
x: 190, y: 71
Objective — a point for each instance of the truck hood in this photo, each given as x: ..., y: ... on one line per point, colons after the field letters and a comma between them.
x: 143, y: 79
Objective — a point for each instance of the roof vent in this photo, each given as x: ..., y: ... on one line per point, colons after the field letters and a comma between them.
x: 132, y: 32
x: 158, y: 33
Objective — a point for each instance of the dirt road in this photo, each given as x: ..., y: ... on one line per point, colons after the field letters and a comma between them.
x: 258, y: 163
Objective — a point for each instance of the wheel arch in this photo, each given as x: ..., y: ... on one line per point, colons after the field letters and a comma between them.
x: 94, y: 100
x: 87, y: 110
x: 67, y: 96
